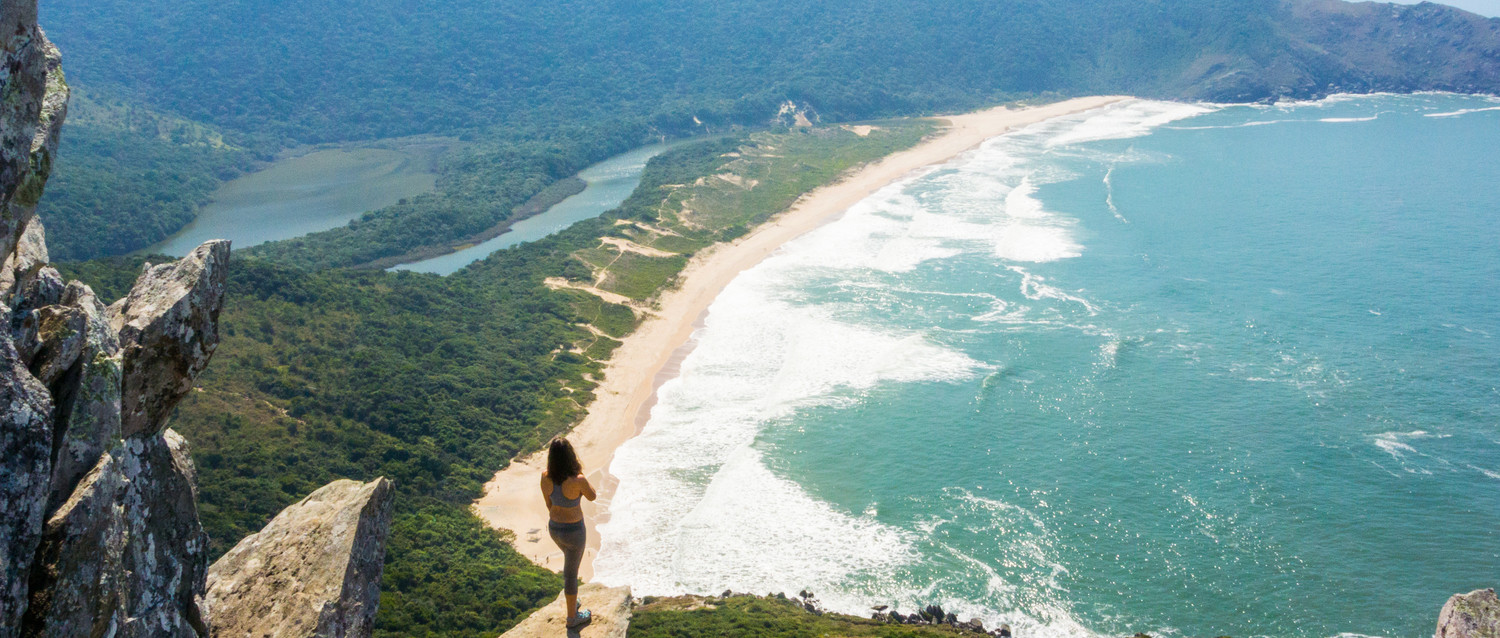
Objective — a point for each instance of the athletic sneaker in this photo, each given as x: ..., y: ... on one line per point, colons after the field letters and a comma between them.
x: 583, y: 618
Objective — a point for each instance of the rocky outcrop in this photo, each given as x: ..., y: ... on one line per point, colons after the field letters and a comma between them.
x: 1472, y: 615
x: 166, y: 550
x: 25, y: 447
x: 314, y: 571
x: 79, y: 584
x: 168, y: 327
x: 610, y: 607
x: 99, y: 527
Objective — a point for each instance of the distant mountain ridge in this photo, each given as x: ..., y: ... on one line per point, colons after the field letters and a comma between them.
x: 322, y: 70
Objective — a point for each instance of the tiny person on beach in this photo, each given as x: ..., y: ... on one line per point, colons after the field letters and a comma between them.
x: 563, y: 485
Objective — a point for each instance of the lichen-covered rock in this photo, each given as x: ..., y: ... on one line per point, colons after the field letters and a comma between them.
x: 313, y: 571
x: 24, y: 264
x: 25, y: 474
x: 166, y: 555
x: 33, y: 104
x: 99, y: 527
x: 168, y: 327
x: 88, y: 405
x: 78, y: 581
x: 53, y: 338
x: 1472, y: 615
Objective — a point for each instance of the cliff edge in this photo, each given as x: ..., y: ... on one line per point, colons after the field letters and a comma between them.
x: 99, y: 526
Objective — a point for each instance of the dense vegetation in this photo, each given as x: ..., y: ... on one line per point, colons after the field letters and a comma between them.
x: 326, y: 372
x: 755, y: 617
x: 479, y: 186
x: 434, y: 382
x: 546, y: 88
x: 127, y: 178
x: 318, y: 70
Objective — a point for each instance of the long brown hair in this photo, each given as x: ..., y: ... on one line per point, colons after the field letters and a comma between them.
x: 562, y: 461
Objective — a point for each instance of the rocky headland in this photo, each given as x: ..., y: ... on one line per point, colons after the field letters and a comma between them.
x: 99, y: 526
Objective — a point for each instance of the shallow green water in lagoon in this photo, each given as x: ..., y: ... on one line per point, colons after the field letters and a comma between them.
x: 608, y: 184
x: 305, y: 194
x: 1164, y: 368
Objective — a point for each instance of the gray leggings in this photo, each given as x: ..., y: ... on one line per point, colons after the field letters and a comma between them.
x: 571, y: 538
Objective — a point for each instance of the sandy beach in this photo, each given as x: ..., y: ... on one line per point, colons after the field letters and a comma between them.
x: 653, y: 353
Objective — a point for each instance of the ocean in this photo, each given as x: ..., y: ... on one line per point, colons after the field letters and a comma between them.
x: 1185, y: 369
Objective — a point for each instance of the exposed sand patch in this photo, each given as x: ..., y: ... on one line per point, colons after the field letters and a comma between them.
x: 649, y: 355
x: 625, y: 245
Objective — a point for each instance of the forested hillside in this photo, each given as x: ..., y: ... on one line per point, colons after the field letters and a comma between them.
x: 546, y: 88
x: 437, y: 382
x: 323, y: 70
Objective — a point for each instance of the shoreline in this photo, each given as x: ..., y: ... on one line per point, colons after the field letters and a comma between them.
x: 654, y: 352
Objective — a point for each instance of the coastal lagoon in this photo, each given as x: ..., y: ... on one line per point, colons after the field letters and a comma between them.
x: 608, y: 184
x: 1184, y: 369
x: 306, y: 194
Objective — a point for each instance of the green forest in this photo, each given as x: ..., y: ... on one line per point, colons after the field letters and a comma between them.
x: 543, y: 89
x: 433, y: 382
x: 332, y: 368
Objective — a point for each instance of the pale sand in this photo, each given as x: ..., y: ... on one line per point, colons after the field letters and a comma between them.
x: 652, y: 354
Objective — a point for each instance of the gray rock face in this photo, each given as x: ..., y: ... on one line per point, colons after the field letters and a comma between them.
x: 166, y: 555
x: 313, y: 571
x: 25, y: 449
x: 1472, y: 615
x: 88, y: 404
x: 99, y: 527
x: 33, y: 104
x: 79, y: 583
x: 169, y: 328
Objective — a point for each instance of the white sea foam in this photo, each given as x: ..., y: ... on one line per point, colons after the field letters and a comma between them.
x: 1109, y: 194
x: 1461, y: 112
x: 1031, y: 233
x: 699, y: 509
x: 1035, y: 287
x: 1125, y: 120
x: 1490, y: 473
x: 1325, y: 120
x: 1399, y: 446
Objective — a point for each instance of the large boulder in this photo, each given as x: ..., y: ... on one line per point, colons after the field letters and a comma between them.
x: 78, y: 583
x: 25, y: 474
x: 33, y: 104
x: 168, y: 327
x: 610, y: 607
x: 99, y: 526
x: 166, y: 556
x: 1472, y: 615
x: 88, y: 402
x: 313, y: 571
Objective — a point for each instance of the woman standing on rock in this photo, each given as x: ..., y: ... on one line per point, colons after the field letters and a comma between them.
x: 563, y: 485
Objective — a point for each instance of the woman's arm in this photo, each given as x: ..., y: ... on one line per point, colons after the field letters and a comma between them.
x: 547, y: 490
x: 588, y: 490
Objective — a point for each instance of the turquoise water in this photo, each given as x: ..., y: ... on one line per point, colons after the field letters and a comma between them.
x: 609, y: 183
x: 1188, y: 370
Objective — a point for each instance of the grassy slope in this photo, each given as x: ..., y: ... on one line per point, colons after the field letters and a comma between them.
x: 435, y: 382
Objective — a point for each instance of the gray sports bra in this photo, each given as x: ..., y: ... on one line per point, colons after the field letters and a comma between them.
x: 558, y: 500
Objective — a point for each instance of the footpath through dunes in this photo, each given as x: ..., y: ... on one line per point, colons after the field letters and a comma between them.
x: 647, y: 355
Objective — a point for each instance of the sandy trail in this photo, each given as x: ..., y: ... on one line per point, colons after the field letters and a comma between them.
x: 653, y: 353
